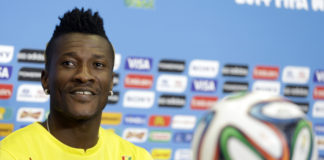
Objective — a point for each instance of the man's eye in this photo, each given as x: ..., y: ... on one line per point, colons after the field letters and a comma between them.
x: 68, y: 63
x: 99, y: 65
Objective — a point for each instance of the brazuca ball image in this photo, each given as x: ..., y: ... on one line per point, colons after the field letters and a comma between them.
x: 253, y: 126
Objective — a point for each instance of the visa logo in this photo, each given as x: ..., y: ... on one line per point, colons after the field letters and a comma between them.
x: 5, y: 72
x: 139, y: 64
x: 319, y: 76
x: 203, y: 85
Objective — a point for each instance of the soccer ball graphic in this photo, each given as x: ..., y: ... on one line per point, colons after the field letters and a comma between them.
x: 253, y: 126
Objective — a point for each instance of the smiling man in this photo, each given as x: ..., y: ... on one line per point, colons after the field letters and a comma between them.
x: 78, y: 77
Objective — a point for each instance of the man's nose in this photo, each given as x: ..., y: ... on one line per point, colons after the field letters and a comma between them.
x: 83, y: 74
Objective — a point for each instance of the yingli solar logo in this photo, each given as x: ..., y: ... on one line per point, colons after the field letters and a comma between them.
x: 5, y: 91
x: 159, y: 121
x: 138, y: 81
x: 266, y: 72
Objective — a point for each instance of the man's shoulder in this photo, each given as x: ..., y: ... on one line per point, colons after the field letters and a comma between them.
x: 19, y: 135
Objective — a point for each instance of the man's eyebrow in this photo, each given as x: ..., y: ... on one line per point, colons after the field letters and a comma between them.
x: 72, y: 54
x: 98, y: 56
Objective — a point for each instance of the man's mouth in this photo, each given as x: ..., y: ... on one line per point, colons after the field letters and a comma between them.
x: 83, y: 93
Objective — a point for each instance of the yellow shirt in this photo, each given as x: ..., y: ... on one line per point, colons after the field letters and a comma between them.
x: 34, y: 142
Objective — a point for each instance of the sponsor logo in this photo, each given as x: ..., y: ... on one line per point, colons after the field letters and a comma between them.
x: 203, y: 85
x: 267, y: 86
x: 114, y: 98
x: 182, y: 137
x: 318, y: 92
x: 318, y: 109
x: 30, y: 74
x: 183, y: 154
x: 111, y: 118
x: 138, y: 81
x: 172, y: 101
x: 138, y: 64
x: 171, y: 66
x: 296, y: 91
x: 146, y: 4
x: 117, y: 61
x: 135, y: 119
x: 161, y: 153
x: 31, y: 93
x: 126, y: 157
x: 319, y: 76
x: 160, y: 136
x: 5, y: 72
x: 171, y: 83
x: 116, y: 79
x: 203, y: 68
x: 319, y: 129
x: 6, y: 129
x: 183, y: 122
x: 28, y: 114
x: 6, y: 53
x: 137, y: 135
x: 6, y: 91
x: 294, y: 74
x: 202, y: 102
x: 138, y: 99
x: 266, y: 72
x: 235, y: 70
x: 5, y: 113
x: 159, y: 121
x: 320, y: 142
x: 31, y: 55
x: 235, y: 87
x: 304, y: 106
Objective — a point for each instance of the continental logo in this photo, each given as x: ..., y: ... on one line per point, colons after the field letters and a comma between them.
x: 296, y: 74
x: 116, y: 79
x: 5, y: 72
x: 117, y: 61
x: 203, y: 68
x: 6, y: 91
x: 203, y: 85
x: 159, y: 121
x: 5, y: 113
x: 31, y: 55
x: 138, y: 99
x: 172, y: 101
x: 30, y: 74
x: 6, y: 53
x: 160, y: 136
x: 304, y: 106
x: 183, y: 154
x: 296, y: 91
x: 230, y: 86
x: 171, y: 66
x: 136, y: 135
x: 318, y: 92
x: 6, y: 129
x: 138, y: 64
x: 114, y: 98
x: 182, y: 137
x: 161, y: 153
x: 111, y: 118
x: 146, y: 4
x: 319, y: 76
x: 185, y: 122
x: 318, y: 109
x: 235, y: 70
x: 203, y: 102
x: 138, y: 81
x: 271, y: 87
x: 266, y: 72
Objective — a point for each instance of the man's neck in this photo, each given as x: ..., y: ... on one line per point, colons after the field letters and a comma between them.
x: 74, y: 133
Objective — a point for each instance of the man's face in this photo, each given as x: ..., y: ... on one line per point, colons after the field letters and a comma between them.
x: 80, y: 75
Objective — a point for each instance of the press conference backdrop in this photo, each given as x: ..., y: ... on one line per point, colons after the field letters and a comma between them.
x: 174, y: 59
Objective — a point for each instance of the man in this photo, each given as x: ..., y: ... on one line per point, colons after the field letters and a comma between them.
x: 78, y: 77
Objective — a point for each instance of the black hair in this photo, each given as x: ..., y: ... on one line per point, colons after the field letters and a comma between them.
x: 77, y: 21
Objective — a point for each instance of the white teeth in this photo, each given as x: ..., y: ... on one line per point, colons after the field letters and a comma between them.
x: 83, y: 92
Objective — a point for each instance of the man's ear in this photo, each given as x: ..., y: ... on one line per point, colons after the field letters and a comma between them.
x: 44, y: 79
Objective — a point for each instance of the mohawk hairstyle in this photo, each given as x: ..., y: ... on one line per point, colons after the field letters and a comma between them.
x: 78, y: 21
